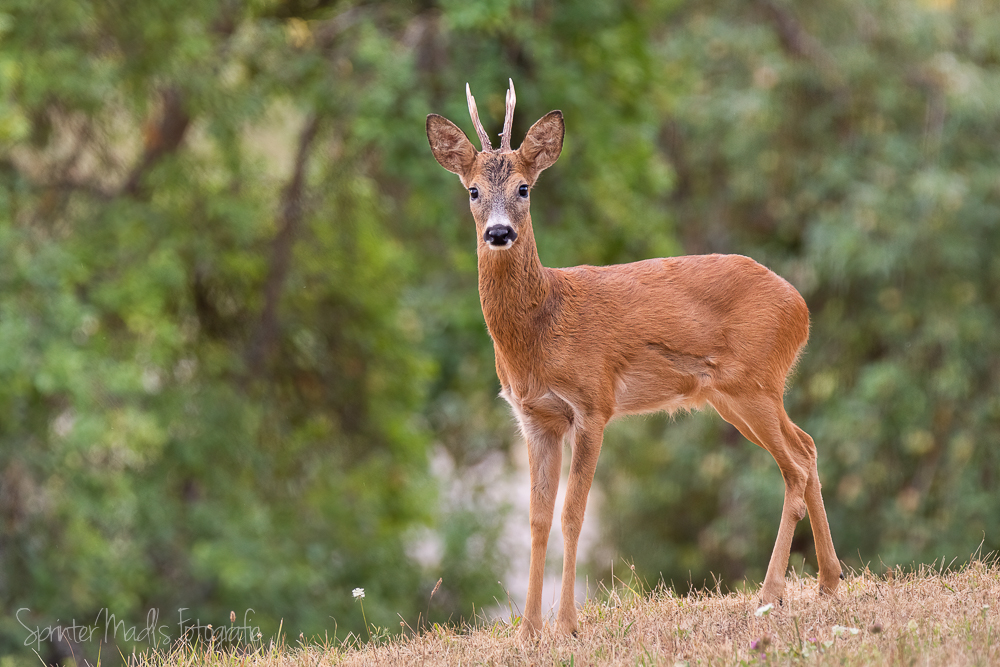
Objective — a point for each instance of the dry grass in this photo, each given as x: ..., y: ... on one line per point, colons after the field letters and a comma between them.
x: 924, y: 617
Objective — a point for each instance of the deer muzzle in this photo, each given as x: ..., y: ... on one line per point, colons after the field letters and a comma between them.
x: 500, y: 236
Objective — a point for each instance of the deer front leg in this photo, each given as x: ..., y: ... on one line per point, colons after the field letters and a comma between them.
x: 586, y: 449
x: 545, y: 462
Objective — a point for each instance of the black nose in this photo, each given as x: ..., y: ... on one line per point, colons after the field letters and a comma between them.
x: 499, y: 235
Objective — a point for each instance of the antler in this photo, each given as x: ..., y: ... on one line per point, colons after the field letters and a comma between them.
x: 484, y: 139
x: 508, y: 120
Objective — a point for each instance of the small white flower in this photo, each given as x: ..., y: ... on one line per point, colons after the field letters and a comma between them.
x: 839, y: 630
x: 358, y: 592
x: 763, y: 611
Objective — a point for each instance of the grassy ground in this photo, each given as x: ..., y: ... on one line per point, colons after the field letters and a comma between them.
x: 923, y: 617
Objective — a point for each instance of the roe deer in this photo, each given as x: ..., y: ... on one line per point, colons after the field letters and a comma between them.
x: 580, y: 346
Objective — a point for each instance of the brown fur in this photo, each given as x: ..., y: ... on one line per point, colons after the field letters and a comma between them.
x: 577, y: 347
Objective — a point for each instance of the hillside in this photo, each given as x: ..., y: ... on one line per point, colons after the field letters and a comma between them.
x: 930, y: 616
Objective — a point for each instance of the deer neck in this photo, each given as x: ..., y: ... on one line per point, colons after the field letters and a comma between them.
x: 512, y: 289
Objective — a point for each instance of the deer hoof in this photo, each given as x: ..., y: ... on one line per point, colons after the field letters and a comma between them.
x: 828, y: 583
x: 772, y: 594
x: 528, y: 631
x: 567, y: 629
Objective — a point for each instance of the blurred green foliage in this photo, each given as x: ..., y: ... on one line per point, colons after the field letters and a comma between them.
x: 238, y: 309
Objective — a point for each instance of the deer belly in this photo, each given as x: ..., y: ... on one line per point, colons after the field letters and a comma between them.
x: 664, y: 379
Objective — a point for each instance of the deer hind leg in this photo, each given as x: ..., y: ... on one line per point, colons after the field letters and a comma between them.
x: 586, y: 449
x: 826, y: 555
x: 763, y: 421
x: 545, y: 463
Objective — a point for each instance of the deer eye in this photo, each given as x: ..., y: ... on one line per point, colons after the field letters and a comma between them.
x: 523, y: 191
x: 474, y: 193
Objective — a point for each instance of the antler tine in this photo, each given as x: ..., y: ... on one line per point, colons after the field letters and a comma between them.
x: 508, y: 120
x: 484, y: 139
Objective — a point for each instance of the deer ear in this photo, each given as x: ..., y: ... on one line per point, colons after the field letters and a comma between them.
x: 542, y: 145
x: 451, y: 148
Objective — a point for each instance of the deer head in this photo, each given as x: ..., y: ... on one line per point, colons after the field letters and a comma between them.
x: 499, y: 180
